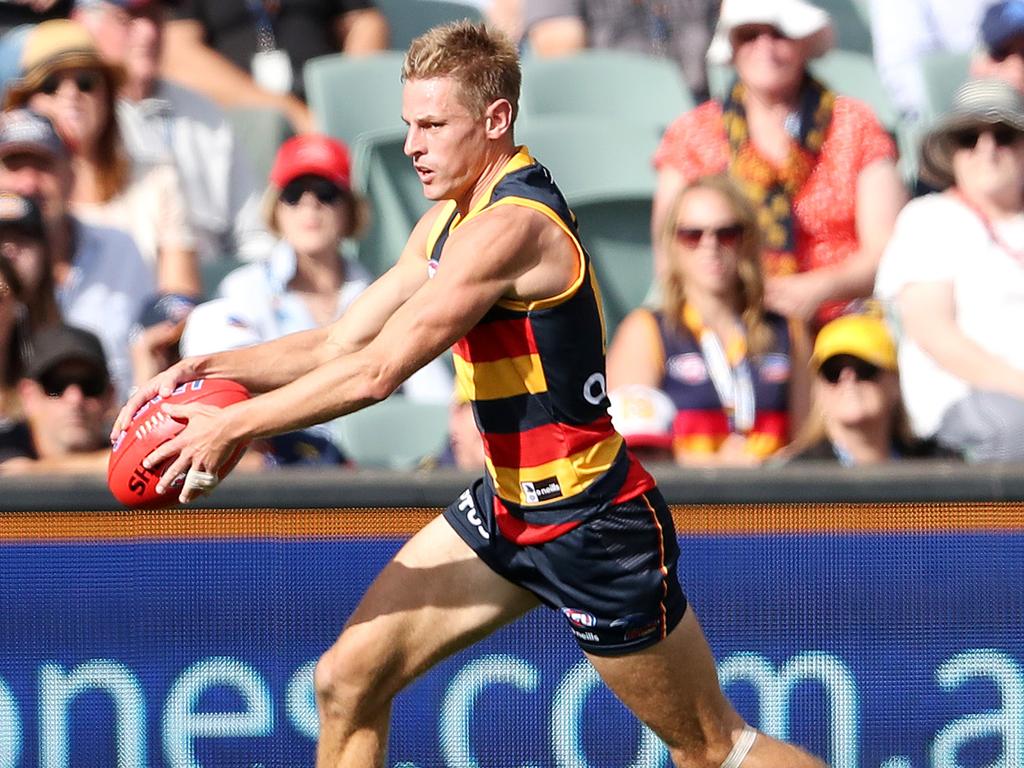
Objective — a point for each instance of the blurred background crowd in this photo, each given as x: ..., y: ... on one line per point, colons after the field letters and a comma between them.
x: 807, y: 220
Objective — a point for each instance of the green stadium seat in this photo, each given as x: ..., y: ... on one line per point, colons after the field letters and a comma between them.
x: 411, y: 18
x: 850, y: 19
x: 385, y: 176
x: 350, y: 95
x: 588, y: 156
x: 394, y: 434
x: 853, y: 73
x: 605, y: 84
x: 943, y: 73
x: 261, y: 131
x: 616, y: 231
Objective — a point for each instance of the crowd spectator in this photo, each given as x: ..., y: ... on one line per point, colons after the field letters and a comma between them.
x: 676, y: 29
x: 15, y: 13
x: 857, y: 415
x: 67, y: 398
x: 1001, y: 51
x: 954, y: 271
x: 23, y: 245
x: 903, y: 33
x: 13, y: 341
x: 101, y: 280
x: 819, y: 166
x: 251, y: 52
x: 164, y: 121
x: 734, y: 371
x: 64, y: 78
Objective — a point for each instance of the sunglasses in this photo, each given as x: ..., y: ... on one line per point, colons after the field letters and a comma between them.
x: 1003, y: 135
x: 745, y: 35
x: 55, y: 384
x: 833, y: 368
x: 326, y: 192
x: 85, y: 81
x: 727, y: 236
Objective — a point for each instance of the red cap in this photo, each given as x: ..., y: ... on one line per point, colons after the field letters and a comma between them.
x: 312, y: 154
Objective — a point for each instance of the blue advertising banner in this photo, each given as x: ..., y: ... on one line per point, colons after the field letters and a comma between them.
x: 874, y: 650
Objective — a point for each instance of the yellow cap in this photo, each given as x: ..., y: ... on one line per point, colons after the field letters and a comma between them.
x: 861, y: 336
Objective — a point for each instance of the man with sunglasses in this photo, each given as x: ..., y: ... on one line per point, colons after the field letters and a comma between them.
x: 954, y: 271
x: 66, y: 394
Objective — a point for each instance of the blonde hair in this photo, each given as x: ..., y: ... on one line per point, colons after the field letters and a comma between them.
x: 748, y: 266
x: 483, y: 62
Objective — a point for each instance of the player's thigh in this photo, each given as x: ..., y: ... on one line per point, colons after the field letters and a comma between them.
x: 673, y: 686
x: 434, y: 598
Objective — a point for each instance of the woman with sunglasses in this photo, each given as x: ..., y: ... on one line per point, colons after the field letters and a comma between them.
x: 64, y: 78
x: 857, y: 416
x: 954, y: 272
x: 306, y: 282
x: 734, y: 371
x: 818, y: 166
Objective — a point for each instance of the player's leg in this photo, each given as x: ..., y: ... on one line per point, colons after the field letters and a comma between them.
x: 434, y: 598
x: 673, y: 687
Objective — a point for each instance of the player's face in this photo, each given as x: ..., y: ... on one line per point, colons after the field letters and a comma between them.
x: 707, y: 237
x: 446, y: 141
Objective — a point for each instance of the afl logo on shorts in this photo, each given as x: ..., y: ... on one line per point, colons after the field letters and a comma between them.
x: 688, y: 368
x: 579, y: 618
x: 432, y: 265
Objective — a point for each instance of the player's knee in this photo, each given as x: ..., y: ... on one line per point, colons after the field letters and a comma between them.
x: 350, y: 678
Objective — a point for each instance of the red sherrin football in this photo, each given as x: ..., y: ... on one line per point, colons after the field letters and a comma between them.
x: 134, y: 485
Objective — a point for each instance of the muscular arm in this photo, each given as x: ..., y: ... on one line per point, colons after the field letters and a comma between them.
x: 928, y: 314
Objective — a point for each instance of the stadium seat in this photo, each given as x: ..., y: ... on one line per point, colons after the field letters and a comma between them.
x: 609, y: 84
x: 943, y: 73
x: 411, y: 18
x: 853, y: 73
x: 385, y: 176
x: 261, y: 131
x: 395, y: 434
x: 616, y: 231
x: 850, y: 19
x: 589, y: 156
x: 350, y: 95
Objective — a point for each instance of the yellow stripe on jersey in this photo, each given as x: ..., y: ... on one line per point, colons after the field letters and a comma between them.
x: 574, y: 473
x: 508, y: 377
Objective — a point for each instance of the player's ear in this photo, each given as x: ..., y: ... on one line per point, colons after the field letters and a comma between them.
x: 498, y: 118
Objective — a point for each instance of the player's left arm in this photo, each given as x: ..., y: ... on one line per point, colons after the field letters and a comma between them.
x: 497, y: 254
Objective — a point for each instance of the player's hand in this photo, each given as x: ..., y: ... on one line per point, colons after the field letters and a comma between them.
x: 162, y: 384
x: 196, y: 453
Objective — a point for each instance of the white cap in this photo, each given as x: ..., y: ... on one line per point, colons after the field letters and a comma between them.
x: 796, y: 19
x: 642, y: 415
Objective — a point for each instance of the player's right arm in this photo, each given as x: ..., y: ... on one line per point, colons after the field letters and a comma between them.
x: 267, y: 366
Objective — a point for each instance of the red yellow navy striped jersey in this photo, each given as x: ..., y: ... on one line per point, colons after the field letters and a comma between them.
x: 535, y: 373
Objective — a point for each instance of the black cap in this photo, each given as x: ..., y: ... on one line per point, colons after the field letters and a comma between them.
x: 20, y: 213
x: 61, y: 343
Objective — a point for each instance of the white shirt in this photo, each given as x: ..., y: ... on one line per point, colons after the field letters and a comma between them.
x: 937, y: 239
x: 255, y: 305
x: 105, y: 291
x: 903, y: 31
x: 221, y: 192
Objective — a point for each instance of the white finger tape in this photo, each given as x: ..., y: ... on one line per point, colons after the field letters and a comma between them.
x: 198, y: 480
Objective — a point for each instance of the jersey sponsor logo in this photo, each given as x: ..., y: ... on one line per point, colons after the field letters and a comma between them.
x: 468, y: 508
x: 595, y: 389
x: 688, y: 368
x: 580, y: 618
x: 590, y: 637
x: 774, y: 368
x: 541, y: 490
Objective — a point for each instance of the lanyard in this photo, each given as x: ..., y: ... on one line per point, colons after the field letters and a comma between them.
x: 1016, y: 253
x: 732, y: 380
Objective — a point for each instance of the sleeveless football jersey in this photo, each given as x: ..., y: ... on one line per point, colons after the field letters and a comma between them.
x: 535, y: 374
